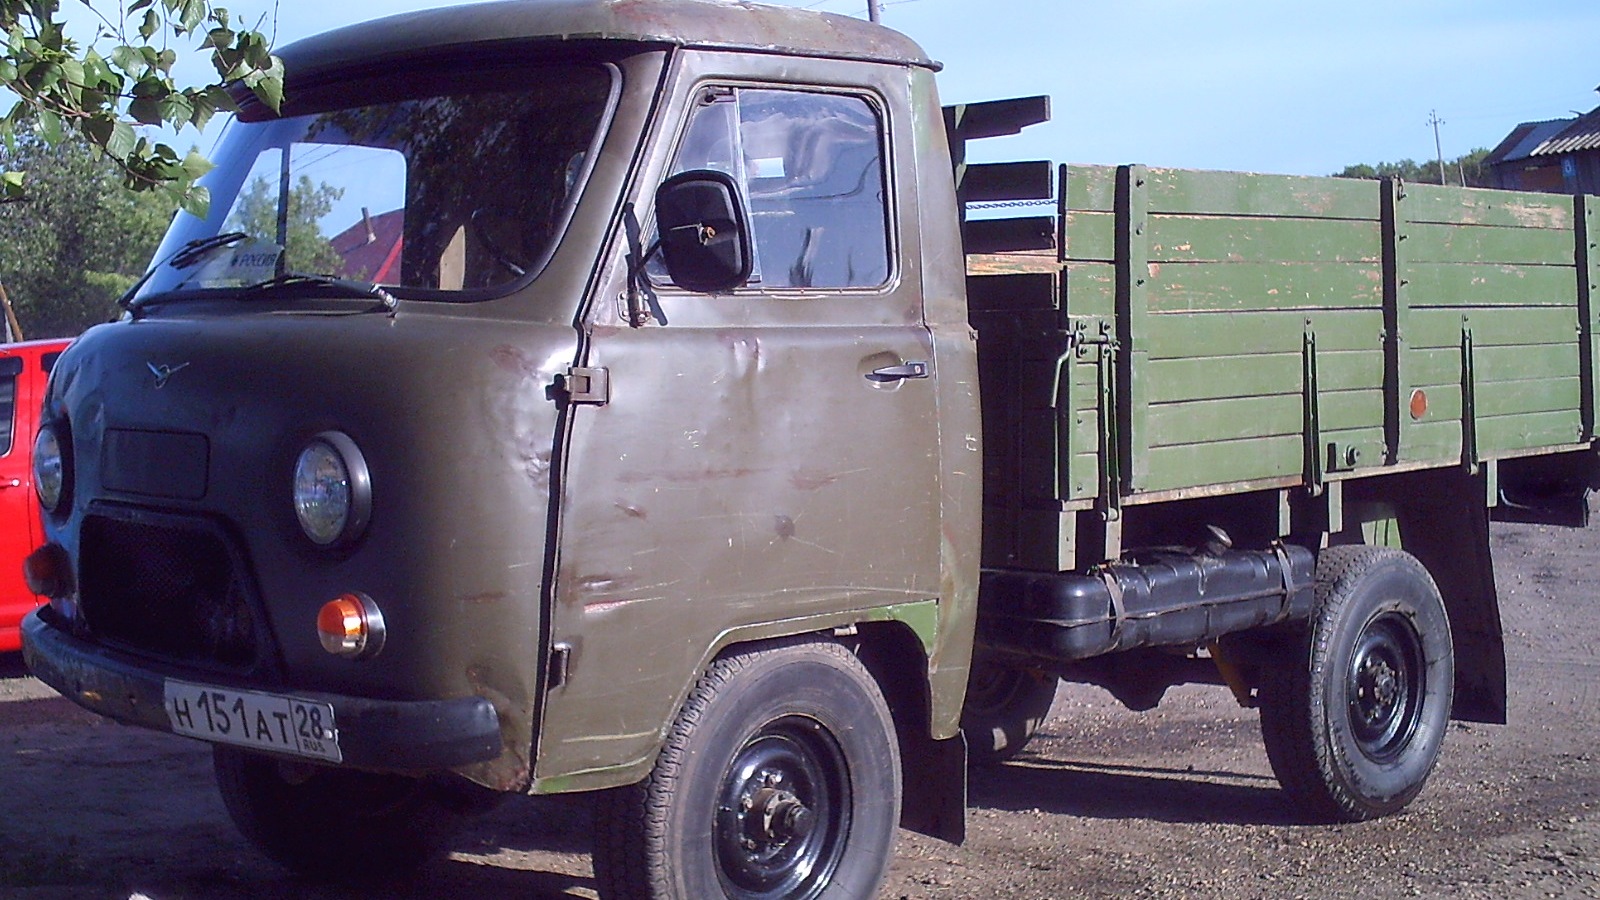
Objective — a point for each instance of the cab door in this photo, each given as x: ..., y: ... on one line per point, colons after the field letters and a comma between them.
x: 765, y: 455
x: 19, y: 513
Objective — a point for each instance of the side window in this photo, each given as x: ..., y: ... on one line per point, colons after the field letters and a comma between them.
x: 8, y: 409
x: 811, y: 165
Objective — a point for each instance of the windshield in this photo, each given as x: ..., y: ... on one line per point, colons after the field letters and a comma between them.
x: 433, y: 195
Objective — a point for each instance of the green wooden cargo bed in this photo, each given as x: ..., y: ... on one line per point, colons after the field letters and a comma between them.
x: 1176, y: 334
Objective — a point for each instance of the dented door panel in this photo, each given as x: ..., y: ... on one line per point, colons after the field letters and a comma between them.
x: 770, y: 455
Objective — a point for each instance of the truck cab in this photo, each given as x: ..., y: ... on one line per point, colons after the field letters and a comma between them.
x: 432, y: 459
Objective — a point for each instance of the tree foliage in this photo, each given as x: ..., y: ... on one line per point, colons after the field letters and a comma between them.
x: 1467, y: 169
x: 123, y: 78
x: 78, y: 241
x: 306, y: 248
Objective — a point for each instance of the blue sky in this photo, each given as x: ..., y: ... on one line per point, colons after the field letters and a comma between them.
x: 1290, y: 86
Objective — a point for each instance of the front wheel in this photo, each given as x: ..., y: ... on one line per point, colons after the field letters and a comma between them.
x: 1354, y: 718
x: 780, y: 780
x: 337, y: 824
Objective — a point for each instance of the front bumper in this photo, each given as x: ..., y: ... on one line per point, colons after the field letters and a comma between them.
x: 416, y: 735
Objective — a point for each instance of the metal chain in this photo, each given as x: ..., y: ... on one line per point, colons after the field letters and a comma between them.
x: 1008, y: 204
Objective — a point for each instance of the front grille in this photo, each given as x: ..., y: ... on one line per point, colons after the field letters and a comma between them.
x: 171, y: 588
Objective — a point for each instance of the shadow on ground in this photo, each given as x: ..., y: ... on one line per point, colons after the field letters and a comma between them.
x: 1105, y: 791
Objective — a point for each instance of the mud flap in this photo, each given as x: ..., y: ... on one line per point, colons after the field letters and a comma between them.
x: 1444, y: 523
x: 935, y: 802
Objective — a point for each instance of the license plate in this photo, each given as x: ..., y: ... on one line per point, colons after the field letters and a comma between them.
x: 253, y: 719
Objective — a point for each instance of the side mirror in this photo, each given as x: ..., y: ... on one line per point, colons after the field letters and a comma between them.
x: 704, y: 235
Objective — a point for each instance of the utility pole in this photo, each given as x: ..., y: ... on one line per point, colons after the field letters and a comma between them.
x: 875, y: 10
x: 1438, y: 149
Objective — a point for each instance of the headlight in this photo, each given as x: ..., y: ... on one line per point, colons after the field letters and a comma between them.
x: 332, y: 490
x: 49, y: 469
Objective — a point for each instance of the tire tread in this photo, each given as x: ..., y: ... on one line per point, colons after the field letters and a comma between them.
x: 1292, y: 711
x: 631, y: 861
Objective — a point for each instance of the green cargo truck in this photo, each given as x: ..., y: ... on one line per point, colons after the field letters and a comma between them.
x: 589, y: 396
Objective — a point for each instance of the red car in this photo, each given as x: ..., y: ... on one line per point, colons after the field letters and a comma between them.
x: 23, y: 370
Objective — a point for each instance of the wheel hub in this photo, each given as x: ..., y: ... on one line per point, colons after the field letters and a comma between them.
x: 1379, y: 687
x: 1385, y: 686
x: 784, y: 814
x: 777, y: 816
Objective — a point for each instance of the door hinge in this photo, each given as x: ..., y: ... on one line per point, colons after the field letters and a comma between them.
x: 588, y: 385
x: 560, y: 666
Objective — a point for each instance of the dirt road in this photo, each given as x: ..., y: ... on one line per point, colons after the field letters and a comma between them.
x: 1179, y: 802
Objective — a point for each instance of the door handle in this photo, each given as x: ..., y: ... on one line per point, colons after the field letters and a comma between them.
x: 908, y: 369
x: 11, y: 483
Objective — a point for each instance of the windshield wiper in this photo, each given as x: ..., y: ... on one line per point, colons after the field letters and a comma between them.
x: 302, y: 279
x: 182, y: 258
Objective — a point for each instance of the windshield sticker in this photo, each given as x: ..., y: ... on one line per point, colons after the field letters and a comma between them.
x: 245, y: 263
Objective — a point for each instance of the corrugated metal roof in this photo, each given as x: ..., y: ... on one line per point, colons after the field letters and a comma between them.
x: 1524, y: 139
x: 1583, y: 134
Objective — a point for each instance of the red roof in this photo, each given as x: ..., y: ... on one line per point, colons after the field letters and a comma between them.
x: 371, y: 247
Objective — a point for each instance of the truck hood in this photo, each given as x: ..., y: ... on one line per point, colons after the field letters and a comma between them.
x: 203, y: 418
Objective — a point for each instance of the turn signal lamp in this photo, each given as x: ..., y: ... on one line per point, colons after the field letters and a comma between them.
x: 351, y: 626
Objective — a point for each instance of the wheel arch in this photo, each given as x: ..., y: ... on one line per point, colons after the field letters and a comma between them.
x: 936, y: 805
x: 895, y: 655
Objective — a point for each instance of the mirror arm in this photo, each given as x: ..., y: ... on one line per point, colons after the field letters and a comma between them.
x: 638, y: 281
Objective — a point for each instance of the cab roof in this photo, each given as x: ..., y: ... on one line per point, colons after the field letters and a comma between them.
x: 709, y: 24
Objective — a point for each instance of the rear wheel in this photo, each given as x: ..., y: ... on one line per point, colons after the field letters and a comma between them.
x: 1004, y: 708
x: 780, y: 780
x: 337, y: 824
x: 1354, y: 718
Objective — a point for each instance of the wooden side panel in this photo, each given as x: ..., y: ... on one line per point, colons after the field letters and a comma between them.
x: 1237, y: 276
x: 1214, y: 330
x: 1492, y: 283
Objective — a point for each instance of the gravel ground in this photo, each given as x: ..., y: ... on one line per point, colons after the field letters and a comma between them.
x: 1178, y: 802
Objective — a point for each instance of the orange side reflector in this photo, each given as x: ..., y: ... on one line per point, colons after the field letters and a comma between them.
x: 342, y: 626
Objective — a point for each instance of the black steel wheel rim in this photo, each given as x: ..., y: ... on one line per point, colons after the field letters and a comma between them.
x: 992, y: 687
x: 1384, y: 686
x: 783, y: 812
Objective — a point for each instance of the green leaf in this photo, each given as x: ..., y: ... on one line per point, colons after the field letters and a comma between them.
x: 194, y: 15
x: 176, y: 109
x: 196, y: 201
x: 145, y: 110
x: 267, y: 87
x: 97, y: 75
x: 194, y: 165
x: 98, y: 130
x: 221, y: 99
x: 44, y: 76
x: 72, y: 78
x: 11, y: 183
x: 49, y: 126
x: 126, y: 58
x: 151, y: 23
x: 133, y: 7
x: 121, y: 140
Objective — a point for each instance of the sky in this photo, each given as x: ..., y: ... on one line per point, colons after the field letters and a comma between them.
x: 1301, y: 87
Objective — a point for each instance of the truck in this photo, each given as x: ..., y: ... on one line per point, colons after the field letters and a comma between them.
x: 636, y: 398
x: 24, y: 366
